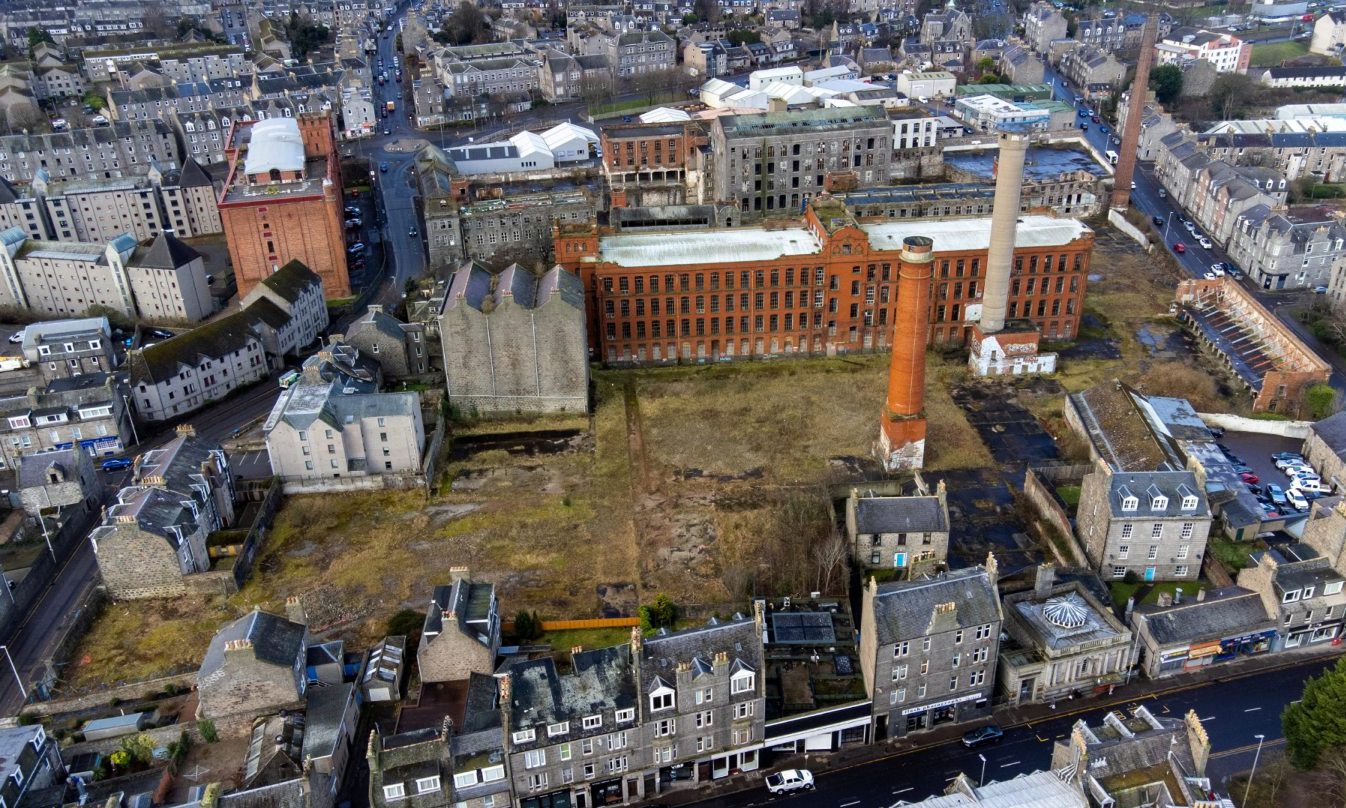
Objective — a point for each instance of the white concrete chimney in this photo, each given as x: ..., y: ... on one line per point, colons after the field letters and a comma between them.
x: 1009, y: 180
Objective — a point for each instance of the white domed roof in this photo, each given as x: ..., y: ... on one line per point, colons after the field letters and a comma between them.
x: 275, y: 143
x: 1065, y: 613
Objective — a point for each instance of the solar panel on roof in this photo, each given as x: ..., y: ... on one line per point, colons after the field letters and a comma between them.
x: 803, y: 628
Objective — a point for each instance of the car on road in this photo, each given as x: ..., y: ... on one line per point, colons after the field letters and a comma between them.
x: 1094, y: 118
x: 358, y: 246
x: 1320, y: 290
x: 1084, y: 127
x: 987, y: 734
x: 159, y: 333
x: 1190, y: 225
x: 1276, y: 493
x: 383, y: 167
x: 1103, y: 129
x: 1163, y: 192
x: 413, y: 232
x: 1179, y: 247
x: 16, y: 337
x: 387, y: 131
x: 783, y: 782
x: 1158, y: 221
x: 1249, y: 477
x: 1084, y: 113
x: 115, y: 464
x: 1204, y: 242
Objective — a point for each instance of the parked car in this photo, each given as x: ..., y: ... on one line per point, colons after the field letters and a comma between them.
x: 1255, y: 489
x: 1103, y: 129
x: 1204, y: 242
x: 1094, y: 118
x: 1163, y: 192
x: 987, y: 734
x: 413, y: 232
x: 383, y: 167
x: 1317, y: 488
x: 160, y: 333
x: 358, y: 246
x: 16, y: 337
x: 1190, y: 225
x: 1179, y: 247
x: 1158, y: 221
x: 1296, y: 500
x: 783, y: 782
x: 1320, y: 290
x: 1249, y: 477
x: 116, y: 464
x: 1276, y: 493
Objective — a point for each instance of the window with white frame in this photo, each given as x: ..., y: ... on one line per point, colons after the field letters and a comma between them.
x: 592, y: 721
x: 537, y: 782
x: 705, y: 695
x: 617, y: 740
x: 1332, y: 587
x: 617, y: 764
x: 1290, y: 597
x: 925, y: 644
x: 462, y: 779
x: 1127, y: 530
x: 563, y: 751
x: 394, y: 791
x: 587, y: 747
x: 589, y: 771
x: 1118, y: 572
x: 742, y: 736
x: 983, y: 631
x: 1187, y: 529
x: 559, y: 728
x: 975, y: 678
x: 899, y: 672
x: 523, y: 736
x: 1189, y: 502
x: 742, y: 682
x: 1123, y: 550
x: 626, y: 715
x: 424, y: 785
x: 1183, y: 550
x: 662, y: 698
x: 665, y: 727
x: 1152, y: 553
x: 704, y: 719
x: 663, y: 754
x: 1157, y: 530
x: 1180, y: 570
x: 1130, y: 503
x: 743, y: 710
x: 901, y: 649
x: 534, y: 758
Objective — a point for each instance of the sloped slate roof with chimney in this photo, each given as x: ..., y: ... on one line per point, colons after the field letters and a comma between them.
x: 213, y: 340
x: 193, y: 175
x: 1239, y: 611
x: 274, y: 639
x: 1332, y: 432
x: 459, y: 603
x: 904, y: 610
x: 900, y: 515
x: 291, y: 280
x: 661, y: 654
x: 33, y: 467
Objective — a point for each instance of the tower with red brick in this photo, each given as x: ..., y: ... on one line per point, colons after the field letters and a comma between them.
x: 902, y: 427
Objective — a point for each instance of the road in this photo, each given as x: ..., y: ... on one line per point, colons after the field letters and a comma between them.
x: 1233, y: 711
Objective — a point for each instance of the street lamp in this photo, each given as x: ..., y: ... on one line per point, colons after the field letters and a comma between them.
x: 1253, y: 772
x: 982, y: 782
x: 1168, y: 221
x: 17, y: 679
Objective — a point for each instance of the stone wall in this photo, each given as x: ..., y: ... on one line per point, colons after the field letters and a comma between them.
x: 1237, y: 423
x: 135, y: 691
x: 1039, y: 485
x: 136, y: 563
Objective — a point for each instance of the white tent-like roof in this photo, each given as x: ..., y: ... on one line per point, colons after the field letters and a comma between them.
x: 274, y: 143
x: 664, y: 115
x: 565, y: 133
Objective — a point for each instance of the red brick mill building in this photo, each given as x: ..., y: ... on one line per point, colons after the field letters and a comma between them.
x: 820, y: 287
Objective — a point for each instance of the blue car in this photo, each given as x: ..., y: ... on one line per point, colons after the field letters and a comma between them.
x: 1277, y: 494
x: 116, y: 464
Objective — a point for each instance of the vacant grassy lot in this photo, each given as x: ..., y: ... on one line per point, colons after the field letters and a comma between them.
x: 145, y: 639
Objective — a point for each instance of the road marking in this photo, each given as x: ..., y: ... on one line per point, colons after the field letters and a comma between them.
x: 1011, y: 763
x: 897, y: 791
x: 1040, y: 738
x: 1208, y: 718
x: 852, y: 802
x: 1252, y: 709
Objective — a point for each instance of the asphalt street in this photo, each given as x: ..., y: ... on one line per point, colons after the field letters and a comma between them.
x: 1234, y: 712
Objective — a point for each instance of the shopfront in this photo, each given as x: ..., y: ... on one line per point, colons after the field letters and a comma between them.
x: 1309, y: 635
x: 957, y: 709
x: 555, y: 799
x: 1200, y: 655
x: 1246, y: 645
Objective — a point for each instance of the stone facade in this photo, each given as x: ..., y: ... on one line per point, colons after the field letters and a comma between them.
x: 56, y: 478
x: 399, y: 348
x: 515, y: 342
x: 928, y: 649
x: 88, y: 411
x: 254, y: 664
x: 120, y: 149
x: 906, y: 534
x: 462, y: 631
x: 60, y: 349
x: 1153, y: 524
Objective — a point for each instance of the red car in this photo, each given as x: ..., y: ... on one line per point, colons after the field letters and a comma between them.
x: 1249, y: 477
x: 1179, y: 248
x: 1094, y: 119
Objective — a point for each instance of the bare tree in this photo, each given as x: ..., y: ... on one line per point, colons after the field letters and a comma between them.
x: 23, y: 117
x: 596, y: 89
x: 830, y: 556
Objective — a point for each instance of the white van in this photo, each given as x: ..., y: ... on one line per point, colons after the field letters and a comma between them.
x: 1112, y: 156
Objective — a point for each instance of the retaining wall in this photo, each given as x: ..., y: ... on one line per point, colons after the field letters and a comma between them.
x: 1119, y: 221
x: 1237, y: 423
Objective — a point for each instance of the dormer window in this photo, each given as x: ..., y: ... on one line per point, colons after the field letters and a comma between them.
x: 663, y: 698
x: 593, y: 721
x: 1189, y: 502
x: 523, y: 736
x: 1332, y: 587
x: 1158, y: 502
x: 626, y: 716
x: 1130, y: 503
x: 396, y: 791
x: 559, y: 728
x: 1290, y: 597
x: 742, y: 682
x: 1308, y: 592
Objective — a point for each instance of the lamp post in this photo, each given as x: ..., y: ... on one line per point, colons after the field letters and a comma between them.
x: 982, y: 782
x: 1253, y: 771
x: 17, y: 679
x: 1168, y: 221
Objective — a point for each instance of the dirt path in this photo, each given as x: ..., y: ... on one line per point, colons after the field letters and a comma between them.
x: 642, y: 483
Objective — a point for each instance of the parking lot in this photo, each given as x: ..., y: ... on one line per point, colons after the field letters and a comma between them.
x: 1255, y: 450
x: 255, y: 465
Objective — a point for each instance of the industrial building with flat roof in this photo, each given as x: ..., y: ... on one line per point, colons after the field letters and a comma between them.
x: 822, y: 286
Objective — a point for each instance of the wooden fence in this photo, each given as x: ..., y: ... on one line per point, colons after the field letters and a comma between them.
x: 572, y: 625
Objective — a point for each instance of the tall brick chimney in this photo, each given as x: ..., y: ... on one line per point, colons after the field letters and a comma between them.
x: 902, y: 432
x: 1135, y: 110
x: 1009, y: 181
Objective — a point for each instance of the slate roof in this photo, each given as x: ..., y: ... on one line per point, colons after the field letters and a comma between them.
x: 1146, y: 485
x: 193, y: 175
x: 166, y: 252
x: 904, y: 610
x: 661, y: 653
x: 1239, y: 611
x: 291, y: 280
x: 33, y: 467
x: 1332, y: 431
x: 603, y: 680
x: 326, y: 707
x: 275, y: 640
x: 215, y: 339
x: 900, y: 515
x: 463, y: 602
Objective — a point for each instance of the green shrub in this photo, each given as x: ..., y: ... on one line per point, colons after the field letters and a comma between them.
x: 207, y: 729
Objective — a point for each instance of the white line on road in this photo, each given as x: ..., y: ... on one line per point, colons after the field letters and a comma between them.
x: 1011, y: 763
x: 897, y: 791
x: 852, y: 802
x: 1252, y: 709
x: 1208, y: 718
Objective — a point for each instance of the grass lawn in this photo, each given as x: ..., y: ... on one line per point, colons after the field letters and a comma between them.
x: 1272, y: 54
x: 1069, y: 494
x: 144, y: 639
x: 1233, y: 555
x: 1121, y: 590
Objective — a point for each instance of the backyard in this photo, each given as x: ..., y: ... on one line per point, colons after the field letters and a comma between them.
x: 1272, y: 54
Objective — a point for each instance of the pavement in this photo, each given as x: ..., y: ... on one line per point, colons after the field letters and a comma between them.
x: 1236, y: 702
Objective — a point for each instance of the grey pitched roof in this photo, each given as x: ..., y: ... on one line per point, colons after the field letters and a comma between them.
x: 904, y: 610
x: 323, y: 719
x: 193, y: 175
x: 1238, y: 612
x: 1145, y: 486
x: 900, y: 515
x: 275, y: 640
x: 661, y: 654
x: 463, y: 602
x: 166, y: 252
x: 291, y: 280
x: 1332, y: 431
x: 33, y: 467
